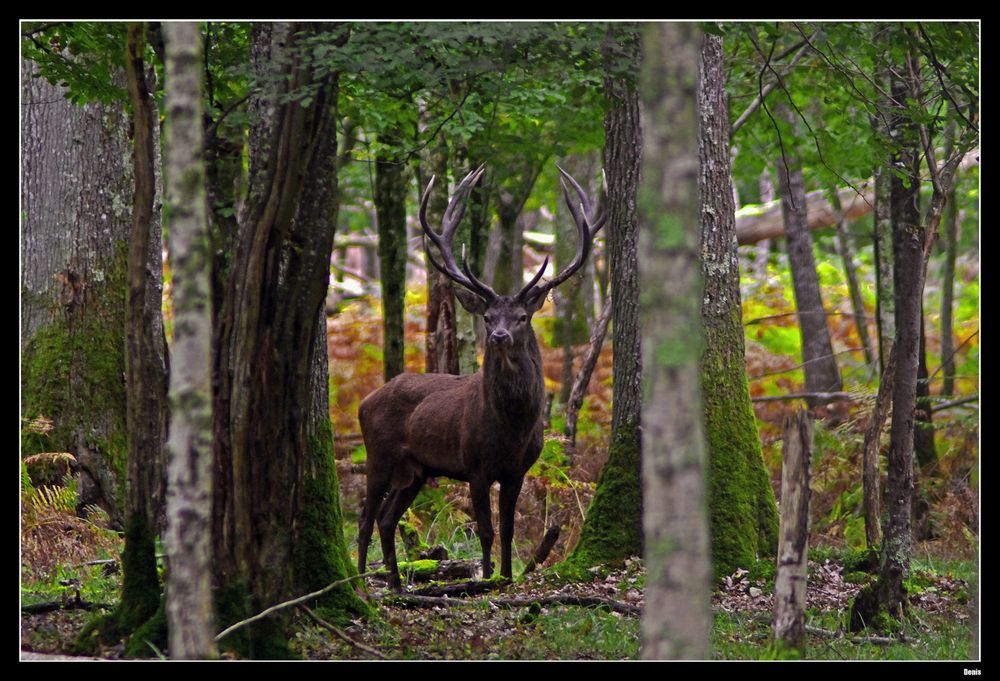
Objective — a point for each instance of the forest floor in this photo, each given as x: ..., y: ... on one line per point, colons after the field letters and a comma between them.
x: 541, y: 617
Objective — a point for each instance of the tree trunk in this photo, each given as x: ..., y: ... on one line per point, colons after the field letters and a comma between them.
x: 441, y: 355
x: 188, y: 538
x: 390, y: 202
x: 676, y: 620
x: 885, y: 311
x: 574, y: 300
x: 789, y: 621
x: 76, y: 188
x: 278, y: 530
x: 923, y: 435
x: 847, y: 257
x: 907, y: 253
x: 612, y: 530
x: 950, y: 235
x: 145, y: 370
x: 820, y: 366
x: 742, y: 508
x: 871, y: 480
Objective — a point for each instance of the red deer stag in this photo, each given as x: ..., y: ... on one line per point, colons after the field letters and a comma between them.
x: 482, y: 428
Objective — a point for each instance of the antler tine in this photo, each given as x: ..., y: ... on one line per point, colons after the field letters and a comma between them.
x: 452, y: 215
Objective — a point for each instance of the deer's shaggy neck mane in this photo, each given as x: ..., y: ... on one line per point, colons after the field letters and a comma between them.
x: 512, y: 379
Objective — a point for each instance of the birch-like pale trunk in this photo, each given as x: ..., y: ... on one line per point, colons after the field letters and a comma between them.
x: 788, y: 625
x: 676, y: 621
x: 189, y: 449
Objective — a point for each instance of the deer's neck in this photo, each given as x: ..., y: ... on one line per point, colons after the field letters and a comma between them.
x: 512, y: 381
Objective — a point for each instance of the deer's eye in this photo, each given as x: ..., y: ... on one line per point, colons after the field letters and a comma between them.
x: 524, y: 318
x: 488, y: 319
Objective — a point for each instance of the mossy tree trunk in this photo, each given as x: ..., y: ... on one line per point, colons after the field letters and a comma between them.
x: 741, y: 504
x: 390, y: 204
x: 76, y: 189
x: 676, y: 620
x: 277, y: 526
x: 188, y: 539
x: 612, y: 530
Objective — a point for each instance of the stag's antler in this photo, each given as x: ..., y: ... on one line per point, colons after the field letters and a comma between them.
x: 587, y: 225
x: 449, y: 223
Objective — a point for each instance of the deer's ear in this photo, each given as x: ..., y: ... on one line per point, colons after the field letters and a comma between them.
x: 470, y: 301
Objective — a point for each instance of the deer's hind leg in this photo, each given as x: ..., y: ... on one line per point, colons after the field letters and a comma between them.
x: 393, y: 509
x: 376, y: 486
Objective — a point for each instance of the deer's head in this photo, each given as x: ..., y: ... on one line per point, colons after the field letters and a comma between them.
x: 507, y: 317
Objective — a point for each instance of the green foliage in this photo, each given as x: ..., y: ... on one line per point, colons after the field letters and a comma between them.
x: 87, y: 58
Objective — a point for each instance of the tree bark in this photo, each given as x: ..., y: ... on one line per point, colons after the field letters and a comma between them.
x: 820, y: 365
x: 574, y: 300
x: 390, y: 203
x: 441, y: 353
x: 676, y: 619
x: 742, y: 509
x: 582, y: 380
x: 277, y: 527
x: 907, y: 247
x: 612, y: 530
x: 923, y: 434
x: 870, y: 455
x: 789, y: 620
x: 145, y: 364
x: 847, y: 257
x: 950, y: 234
x: 189, y: 489
x: 76, y: 188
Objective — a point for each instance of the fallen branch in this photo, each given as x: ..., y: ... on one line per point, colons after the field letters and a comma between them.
x: 806, y: 396
x: 875, y: 640
x: 52, y: 606
x: 543, y: 550
x: 418, y: 601
x: 343, y: 636
x: 287, y: 604
x: 459, y: 589
x: 955, y: 403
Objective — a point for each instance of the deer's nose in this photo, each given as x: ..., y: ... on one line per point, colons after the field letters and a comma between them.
x: 501, y: 337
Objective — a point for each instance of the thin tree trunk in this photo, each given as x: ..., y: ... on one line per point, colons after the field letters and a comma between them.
x: 950, y: 235
x: 789, y: 620
x: 390, y: 202
x: 762, y: 252
x: 923, y: 435
x: 676, y: 619
x: 820, y: 365
x: 582, y: 380
x: 612, y: 530
x: 847, y: 257
x: 574, y: 301
x: 146, y: 362
x: 741, y: 503
x: 189, y: 492
x: 441, y: 353
x: 908, y: 241
x: 870, y: 455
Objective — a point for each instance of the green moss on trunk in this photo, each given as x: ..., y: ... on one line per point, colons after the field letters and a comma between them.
x: 139, y: 614
x: 742, y: 509
x: 321, y: 555
x: 613, y: 528
x: 72, y: 373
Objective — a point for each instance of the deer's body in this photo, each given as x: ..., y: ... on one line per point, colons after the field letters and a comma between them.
x: 481, y: 429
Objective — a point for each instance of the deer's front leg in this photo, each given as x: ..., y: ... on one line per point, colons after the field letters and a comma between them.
x: 484, y: 522
x: 509, y: 492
